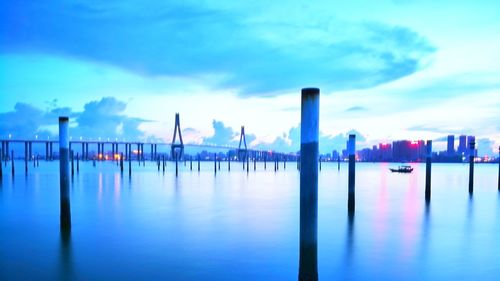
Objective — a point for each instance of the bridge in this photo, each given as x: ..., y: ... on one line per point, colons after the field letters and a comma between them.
x: 102, y: 150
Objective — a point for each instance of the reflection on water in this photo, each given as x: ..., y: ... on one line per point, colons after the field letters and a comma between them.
x: 350, y: 237
x: 425, y: 235
x: 239, y: 226
x: 66, y: 267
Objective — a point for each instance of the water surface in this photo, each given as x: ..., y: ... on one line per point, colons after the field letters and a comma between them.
x: 239, y: 226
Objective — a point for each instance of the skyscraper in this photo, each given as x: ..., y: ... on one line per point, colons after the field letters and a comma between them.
x: 462, y: 145
x: 450, y: 151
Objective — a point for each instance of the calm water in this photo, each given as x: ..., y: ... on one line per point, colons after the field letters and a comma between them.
x: 235, y: 226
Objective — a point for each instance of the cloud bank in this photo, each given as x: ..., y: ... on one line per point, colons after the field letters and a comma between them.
x: 99, y: 119
x: 251, y: 56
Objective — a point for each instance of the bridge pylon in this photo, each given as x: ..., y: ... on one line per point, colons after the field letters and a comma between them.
x: 242, y: 153
x: 177, y: 149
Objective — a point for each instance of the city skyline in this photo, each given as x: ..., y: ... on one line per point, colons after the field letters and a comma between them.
x: 387, y: 71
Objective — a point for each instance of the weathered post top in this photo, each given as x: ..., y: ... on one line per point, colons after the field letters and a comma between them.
x: 63, y: 132
x: 309, y: 115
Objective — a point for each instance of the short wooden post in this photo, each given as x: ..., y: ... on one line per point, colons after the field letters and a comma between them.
x: 215, y: 163
x: 12, y: 161
x: 499, y: 168
x: 176, y: 164
x: 121, y: 162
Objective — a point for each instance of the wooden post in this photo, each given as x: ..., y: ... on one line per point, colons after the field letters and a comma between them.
x: 352, y: 173
x: 472, y: 152
x: 215, y: 163
x: 129, y: 157
x: 121, y: 162
x: 72, y: 163
x: 176, y: 164
x: 428, y: 160
x: 198, y: 162
x: 12, y: 165
x: 26, y: 157
x: 65, y: 218
x: 254, y: 162
x: 164, y: 162
x: 164, y: 157
x: 151, y: 154
x: 139, y: 154
x: 309, y: 136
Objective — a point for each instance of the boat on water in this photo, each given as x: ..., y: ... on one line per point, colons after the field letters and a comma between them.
x: 402, y: 169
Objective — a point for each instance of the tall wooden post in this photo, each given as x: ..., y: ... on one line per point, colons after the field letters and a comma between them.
x: 472, y: 153
x: 428, y: 160
x: 352, y: 172
x: 65, y: 217
x: 309, y: 136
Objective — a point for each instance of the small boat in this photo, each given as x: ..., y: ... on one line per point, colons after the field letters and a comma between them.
x: 402, y: 169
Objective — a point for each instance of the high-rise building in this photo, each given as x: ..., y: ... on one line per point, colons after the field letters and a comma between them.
x: 450, y: 151
x: 462, y: 145
x: 385, y: 151
x: 405, y: 150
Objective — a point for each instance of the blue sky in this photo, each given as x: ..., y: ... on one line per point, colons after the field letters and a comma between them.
x: 399, y: 69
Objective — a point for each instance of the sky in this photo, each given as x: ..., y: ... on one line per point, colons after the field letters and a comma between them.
x: 387, y: 70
